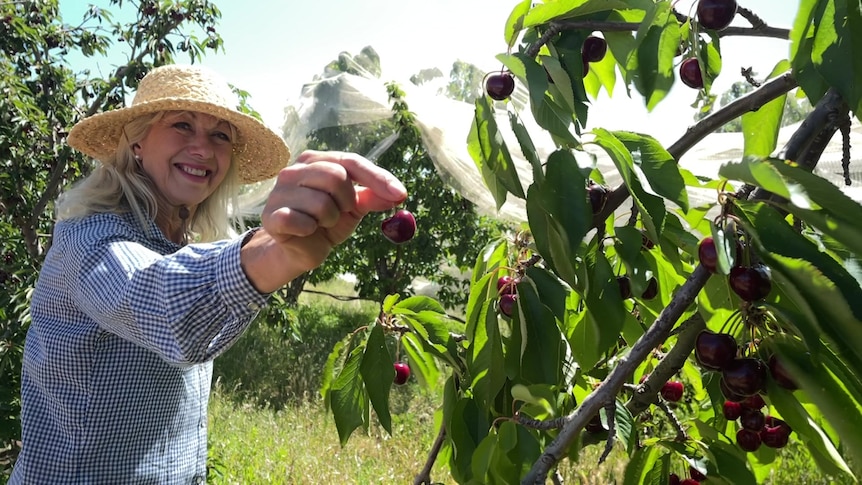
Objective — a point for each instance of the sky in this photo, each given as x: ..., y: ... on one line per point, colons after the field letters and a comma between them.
x: 274, y: 47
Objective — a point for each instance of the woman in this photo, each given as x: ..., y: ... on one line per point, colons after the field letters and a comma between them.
x: 146, y: 282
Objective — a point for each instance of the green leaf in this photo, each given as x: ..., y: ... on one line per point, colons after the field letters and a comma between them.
x: 377, y: 373
x: 659, y: 473
x: 515, y: 22
x: 485, y: 361
x: 489, y: 151
x: 626, y: 428
x: 655, y: 168
x: 823, y: 385
x: 760, y: 128
x: 558, y: 214
x: 605, y: 314
x: 651, y: 206
x: 655, y: 54
x: 348, y: 399
x: 641, y: 463
x: 538, y: 349
x: 837, y: 42
x: 420, y: 304
x: 422, y: 363
x: 821, y: 447
x: 527, y: 146
x: 551, y: 290
x: 543, y: 13
x: 730, y: 463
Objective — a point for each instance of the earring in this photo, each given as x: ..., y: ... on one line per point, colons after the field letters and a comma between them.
x: 138, y: 158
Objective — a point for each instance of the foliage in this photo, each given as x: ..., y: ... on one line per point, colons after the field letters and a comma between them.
x: 42, y: 97
x: 522, y: 386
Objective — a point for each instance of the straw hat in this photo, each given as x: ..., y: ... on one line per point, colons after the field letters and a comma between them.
x: 260, y: 151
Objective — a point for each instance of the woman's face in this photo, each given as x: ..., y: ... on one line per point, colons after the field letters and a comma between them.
x: 187, y: 156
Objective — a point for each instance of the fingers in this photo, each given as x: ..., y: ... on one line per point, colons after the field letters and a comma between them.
x: 362, y: 172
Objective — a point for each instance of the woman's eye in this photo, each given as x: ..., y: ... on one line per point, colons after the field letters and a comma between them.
x: 222, y: 136
x: 182, y: 125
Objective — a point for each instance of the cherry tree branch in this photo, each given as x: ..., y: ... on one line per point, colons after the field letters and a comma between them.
x: 645, y: 394
x: 654, y: 336
x: 424, y: 476
x: 750, y: 102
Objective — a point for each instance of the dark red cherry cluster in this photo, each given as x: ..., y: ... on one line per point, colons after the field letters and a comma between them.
x: 755, y: 427
x: 507, y: 289
x: 750, y: 283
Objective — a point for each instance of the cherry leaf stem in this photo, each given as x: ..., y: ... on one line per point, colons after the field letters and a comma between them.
x: 655, y: 335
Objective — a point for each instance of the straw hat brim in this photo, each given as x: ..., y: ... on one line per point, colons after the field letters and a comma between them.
x: 260, y: 152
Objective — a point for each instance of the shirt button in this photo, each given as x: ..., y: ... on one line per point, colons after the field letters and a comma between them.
x: 203, y: 423
x: 253, y: 306
x: 199, y: 479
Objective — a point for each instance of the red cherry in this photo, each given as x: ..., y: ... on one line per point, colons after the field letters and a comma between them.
x: 507, y: 303
x: 752, y: 419
x: 672, y: 391
x: 673, y: 479
x: 745, y: 376
x: 689, y: 73
x: 500, y: 86
x: 399, y: 228
x: 594, y: 49
x: 598, y: 196
x: 751, y: 283
x: 780, y: 374
x: 625, y: 285
x: 402, y: 373
x: 748, y: 440
x: 651, y: 290
x: 507, y: 284
x: 689, y: 481
x: 595, y: 425
x: 714, y: 351
x: 732, y: 410
x: 716, y: 14
x: 753, y: 402
x: 696, y: 474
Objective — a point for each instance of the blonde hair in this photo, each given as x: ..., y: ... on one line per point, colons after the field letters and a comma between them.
x: 119, y: 185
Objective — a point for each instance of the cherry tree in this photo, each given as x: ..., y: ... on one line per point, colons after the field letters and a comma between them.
x: 594, y: 314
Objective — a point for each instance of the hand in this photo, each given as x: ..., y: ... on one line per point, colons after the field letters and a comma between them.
x: 319, y: 200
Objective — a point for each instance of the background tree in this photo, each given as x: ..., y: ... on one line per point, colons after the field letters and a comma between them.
x: 42, y: 97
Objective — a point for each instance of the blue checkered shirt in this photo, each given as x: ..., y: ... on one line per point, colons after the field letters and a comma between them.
x: 118, y: 357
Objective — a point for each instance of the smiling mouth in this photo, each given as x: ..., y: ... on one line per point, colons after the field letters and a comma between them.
x: 197, y: 172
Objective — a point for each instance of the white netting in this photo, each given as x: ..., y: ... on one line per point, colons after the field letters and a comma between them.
x: 346, y: 99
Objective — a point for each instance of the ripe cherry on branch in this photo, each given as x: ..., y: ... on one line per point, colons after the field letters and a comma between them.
x: 400, y: 227
x: 500, y: 85
x: 402, y: 373
x: 689, y: 73
x: 716, y: 14
x: 672, y: 391
x: 594, y: 49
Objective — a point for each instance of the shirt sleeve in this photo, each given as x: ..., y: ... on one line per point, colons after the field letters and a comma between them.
x: 187, y: 306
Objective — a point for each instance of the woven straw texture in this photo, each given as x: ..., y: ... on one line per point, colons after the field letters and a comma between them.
x: 261, y: 152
